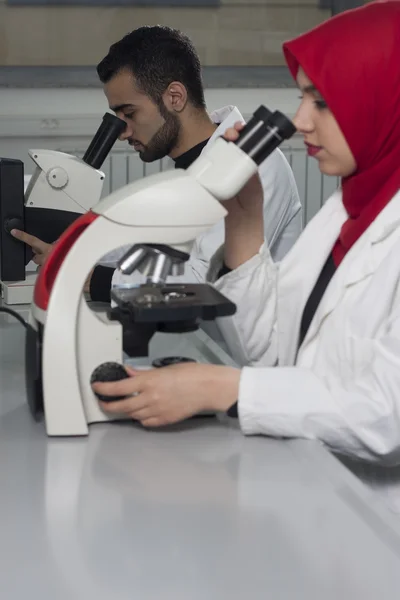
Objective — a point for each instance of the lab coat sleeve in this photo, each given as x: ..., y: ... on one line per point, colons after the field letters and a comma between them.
x: 359, y: 418
x: 204, y: 248
x: 251, y: 334
x: 288, y: 237
x: 283, y: 222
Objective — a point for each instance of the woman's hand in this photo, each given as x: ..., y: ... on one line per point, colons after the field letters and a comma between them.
x: 171, y: 394
x: 244, y: 224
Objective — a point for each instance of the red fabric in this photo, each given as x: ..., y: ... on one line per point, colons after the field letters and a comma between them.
x: 353, y: 60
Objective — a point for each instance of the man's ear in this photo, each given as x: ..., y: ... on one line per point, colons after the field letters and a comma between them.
x: 175, y: 97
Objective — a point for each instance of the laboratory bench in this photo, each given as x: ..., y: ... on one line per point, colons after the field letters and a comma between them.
x: 192, y: 512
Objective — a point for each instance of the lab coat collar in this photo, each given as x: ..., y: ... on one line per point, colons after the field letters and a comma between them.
x: 387, y: 221
x: 359, y: 263
x: 365, y: 256
x: 322, y: 233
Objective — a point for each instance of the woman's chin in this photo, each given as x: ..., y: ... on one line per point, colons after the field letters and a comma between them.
x: 334, y: 170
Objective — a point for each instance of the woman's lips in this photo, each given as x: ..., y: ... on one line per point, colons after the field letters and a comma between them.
x: 313, y: 150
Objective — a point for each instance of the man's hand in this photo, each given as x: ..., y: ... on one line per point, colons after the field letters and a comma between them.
x: 40, y: 249
x: 171, y: 394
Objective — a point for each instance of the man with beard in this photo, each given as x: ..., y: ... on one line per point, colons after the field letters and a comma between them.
x: 152, y: 80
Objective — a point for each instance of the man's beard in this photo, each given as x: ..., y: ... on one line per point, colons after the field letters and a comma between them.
x: 164, y: 141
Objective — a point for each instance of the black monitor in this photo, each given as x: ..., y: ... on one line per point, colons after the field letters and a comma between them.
x: 45, y: 223
x: 12, y: 215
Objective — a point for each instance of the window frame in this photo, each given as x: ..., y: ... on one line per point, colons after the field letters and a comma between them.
x: 132, y: 3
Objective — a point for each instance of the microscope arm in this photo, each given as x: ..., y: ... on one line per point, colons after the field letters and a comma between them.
x: 170, y: 208
x: 64, y: 186
x: 63, y: 182
x: 67, y: 183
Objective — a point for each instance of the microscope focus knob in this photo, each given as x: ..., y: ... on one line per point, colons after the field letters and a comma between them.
x: 57, y: 178
x: 109, y: 371
x: 13, y: 223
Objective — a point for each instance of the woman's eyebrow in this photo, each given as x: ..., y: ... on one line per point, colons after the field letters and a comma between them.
x: 309, y: 89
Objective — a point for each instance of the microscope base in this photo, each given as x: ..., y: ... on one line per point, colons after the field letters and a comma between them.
x: 19, y: 292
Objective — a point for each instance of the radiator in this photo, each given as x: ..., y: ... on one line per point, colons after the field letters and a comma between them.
x: 122, y: 167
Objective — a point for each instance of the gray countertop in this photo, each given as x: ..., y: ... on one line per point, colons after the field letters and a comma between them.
x: 197, y: 512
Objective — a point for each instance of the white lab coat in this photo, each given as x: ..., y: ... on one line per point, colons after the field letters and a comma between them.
x: 343, y: 385
x: 282, y: 212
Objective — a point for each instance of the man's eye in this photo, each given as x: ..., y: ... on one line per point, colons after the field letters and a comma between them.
x: 129, y: 116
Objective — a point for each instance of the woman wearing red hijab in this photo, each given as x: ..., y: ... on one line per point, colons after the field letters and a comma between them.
x: 327, y: 318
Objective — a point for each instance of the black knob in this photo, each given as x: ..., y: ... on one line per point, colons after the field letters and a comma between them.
x: 13, y: 223
x: 171, y: 360
x: 109, y: 371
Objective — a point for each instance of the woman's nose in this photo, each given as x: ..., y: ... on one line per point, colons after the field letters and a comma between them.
x: 303, y: 120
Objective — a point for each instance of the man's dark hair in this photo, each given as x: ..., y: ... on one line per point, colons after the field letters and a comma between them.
x: 156, y: 56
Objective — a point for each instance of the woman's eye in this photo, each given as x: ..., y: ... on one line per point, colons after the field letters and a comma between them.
x: 130, y: 116
x: 320, y: 104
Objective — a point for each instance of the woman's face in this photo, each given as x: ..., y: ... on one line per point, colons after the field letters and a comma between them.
x: 322, y: 134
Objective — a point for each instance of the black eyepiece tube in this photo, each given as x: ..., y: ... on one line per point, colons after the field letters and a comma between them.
x: 104, y: 139
x: 264, y: 133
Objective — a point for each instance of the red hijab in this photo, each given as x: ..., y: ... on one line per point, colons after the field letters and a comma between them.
x: 353, y: 60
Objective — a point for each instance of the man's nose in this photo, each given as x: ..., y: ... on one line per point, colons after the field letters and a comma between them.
x: 126, y: 134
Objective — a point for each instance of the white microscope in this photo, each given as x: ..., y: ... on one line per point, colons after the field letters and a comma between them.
x: 68, y: 345
x: 60, y: 190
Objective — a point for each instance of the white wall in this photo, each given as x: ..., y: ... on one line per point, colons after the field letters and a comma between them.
x: 76, y: 113
x: 92, y: 101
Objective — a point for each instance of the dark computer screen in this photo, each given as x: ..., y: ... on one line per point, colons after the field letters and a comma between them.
x: 44, y: 223
x: 12, y: 215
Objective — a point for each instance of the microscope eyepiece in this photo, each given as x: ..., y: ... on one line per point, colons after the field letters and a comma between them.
x: 264, y: 133
x: 104, y: 139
